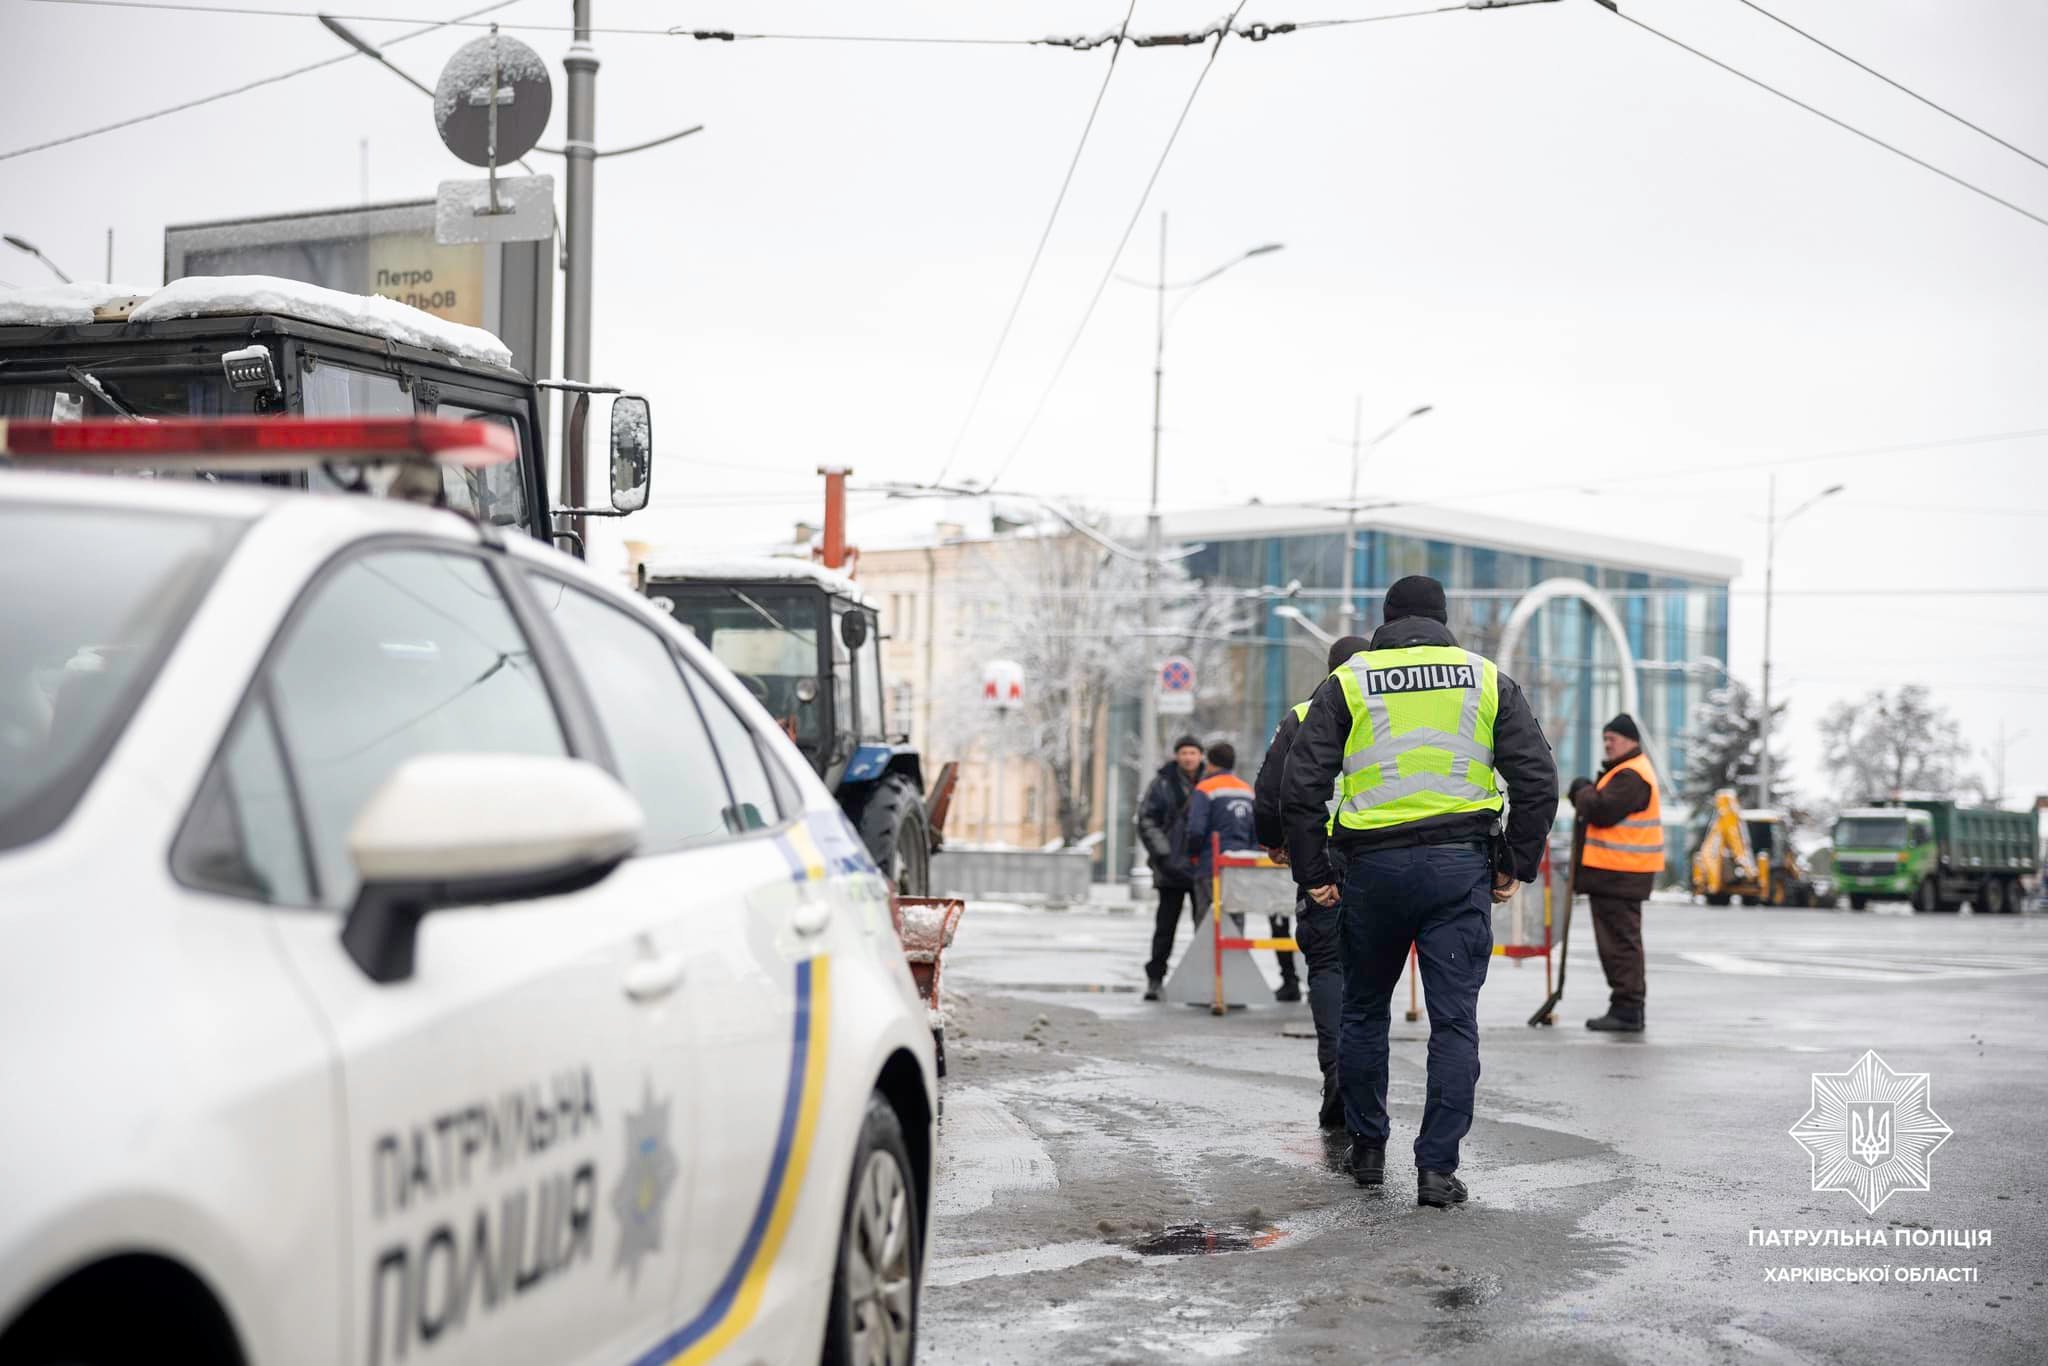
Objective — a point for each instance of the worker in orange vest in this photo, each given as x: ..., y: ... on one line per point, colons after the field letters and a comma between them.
x: 1623, y: 853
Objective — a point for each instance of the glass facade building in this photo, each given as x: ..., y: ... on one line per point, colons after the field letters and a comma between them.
x: 1672, y: 605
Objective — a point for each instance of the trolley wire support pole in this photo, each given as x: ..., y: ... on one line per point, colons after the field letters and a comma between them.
x: 580, y: 149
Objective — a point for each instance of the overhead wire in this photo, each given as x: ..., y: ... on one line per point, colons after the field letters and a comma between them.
x: 1896, y: 85
x: 242, y: 89
x: 1109, y: 268
x: 1820, y: 113
x: 1038, y: 253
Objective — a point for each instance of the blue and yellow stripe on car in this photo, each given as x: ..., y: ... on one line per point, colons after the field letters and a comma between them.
x: 737, y: 1300
x: 799, y: 849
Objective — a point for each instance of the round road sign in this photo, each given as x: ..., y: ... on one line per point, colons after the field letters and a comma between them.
x: 492, y: 73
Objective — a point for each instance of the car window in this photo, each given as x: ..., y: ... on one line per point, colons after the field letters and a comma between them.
x: 96, y: 599
x: 397, y: 654
x: 494, y: 493
x: 753, y: 795
x: 243, y: 836
x: 664, y: 754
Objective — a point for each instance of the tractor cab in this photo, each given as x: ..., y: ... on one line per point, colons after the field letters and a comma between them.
x: 255, y: 347
x: 804, y: 641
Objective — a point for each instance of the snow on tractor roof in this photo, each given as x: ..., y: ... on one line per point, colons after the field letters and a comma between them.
x: 202, y: 296
x: 766, y: 569
x: 62, y: 305
x: 198, y: 296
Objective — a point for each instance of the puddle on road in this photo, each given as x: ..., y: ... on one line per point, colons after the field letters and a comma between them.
x: 1197, y: 1240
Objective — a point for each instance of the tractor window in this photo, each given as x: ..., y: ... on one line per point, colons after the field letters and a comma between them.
x: 867, y: 688
x: 769, y: 639
x: 497, y: 493
x: 160, y: 395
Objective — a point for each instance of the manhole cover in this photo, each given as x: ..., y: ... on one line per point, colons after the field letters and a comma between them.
x: 1195, y: 1240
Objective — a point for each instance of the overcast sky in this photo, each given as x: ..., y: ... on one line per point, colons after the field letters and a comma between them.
x: 1595, y: 254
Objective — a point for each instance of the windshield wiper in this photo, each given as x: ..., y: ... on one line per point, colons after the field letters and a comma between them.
x: 105, y: 393
x: 764, y: 613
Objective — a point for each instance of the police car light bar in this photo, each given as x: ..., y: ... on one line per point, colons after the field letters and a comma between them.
x: 254, y: 444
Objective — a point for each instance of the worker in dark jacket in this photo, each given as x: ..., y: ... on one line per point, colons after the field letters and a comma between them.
x: 1160, y: 824
x: 1419, y: 736
x: 1315, y: 927
x: 1623, y: 827
x: 1221, y: 810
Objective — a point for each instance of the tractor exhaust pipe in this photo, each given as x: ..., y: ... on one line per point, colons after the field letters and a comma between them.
x: 835, y: 556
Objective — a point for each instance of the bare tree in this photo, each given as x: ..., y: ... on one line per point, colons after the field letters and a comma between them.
x: 1894, y: 742
x: 1067, y: 610
x: 1723, y: 747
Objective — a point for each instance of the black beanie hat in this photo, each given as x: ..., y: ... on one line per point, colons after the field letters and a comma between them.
x: 1418, y: 595
x: 1624, y: 725
x: 1185, y: 742
x: 1346, y: 647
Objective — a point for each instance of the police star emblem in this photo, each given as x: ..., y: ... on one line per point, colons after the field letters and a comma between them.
x: 1871, y: 1132
x: 640, y: 1197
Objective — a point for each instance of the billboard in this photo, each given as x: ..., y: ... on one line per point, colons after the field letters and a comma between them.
x: 506, y: 288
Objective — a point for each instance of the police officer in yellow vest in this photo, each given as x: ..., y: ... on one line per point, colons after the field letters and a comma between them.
x: 1420, y: 735
x: 1623, y: 853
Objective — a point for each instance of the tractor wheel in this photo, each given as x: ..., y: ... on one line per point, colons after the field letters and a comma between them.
x: 891, y: 824
x: 1858, y: 901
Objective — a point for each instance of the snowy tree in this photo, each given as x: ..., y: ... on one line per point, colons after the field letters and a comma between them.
x: 1895, y: 742
x: 1068, y: 610
x: 1725, y: 744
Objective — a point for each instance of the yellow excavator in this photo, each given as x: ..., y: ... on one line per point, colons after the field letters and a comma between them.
x: 1747, y: 856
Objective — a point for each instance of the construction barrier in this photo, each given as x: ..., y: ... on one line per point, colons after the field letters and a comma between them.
x: 1240, y: 884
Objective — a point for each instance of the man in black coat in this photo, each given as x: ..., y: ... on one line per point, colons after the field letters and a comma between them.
x: 1161, y: 817
x: 1620, y: 827
x: 1315, y: 926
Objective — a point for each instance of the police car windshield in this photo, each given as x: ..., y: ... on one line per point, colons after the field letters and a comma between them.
x: 113, y: 588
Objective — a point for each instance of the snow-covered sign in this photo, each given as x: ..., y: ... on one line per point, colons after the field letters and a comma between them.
x: 525, y: 210
x: 1176, y: 687
x: 1002, y: 684
x: 492, y: 101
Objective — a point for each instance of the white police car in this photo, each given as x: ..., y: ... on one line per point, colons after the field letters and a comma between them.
x: 413, y: 949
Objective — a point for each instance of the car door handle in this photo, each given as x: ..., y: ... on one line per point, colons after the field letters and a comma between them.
x: 650, y: 979
x: 812, y: 916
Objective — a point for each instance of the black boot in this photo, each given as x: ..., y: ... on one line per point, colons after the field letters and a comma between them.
x: 1618, y: 1022
x: 1290, y: 990
x: 1152, y: 985
x: 1438, y: 1189
x: 1332, y: 1116
x: 1367, y: 1161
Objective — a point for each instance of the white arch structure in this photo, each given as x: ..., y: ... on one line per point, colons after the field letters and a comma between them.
x: 1550, y: 590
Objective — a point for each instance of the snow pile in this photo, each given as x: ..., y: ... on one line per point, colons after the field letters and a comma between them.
x: 768, y: 569
x: 923, y: 926
x: 198, y: 296
x: 60, y: 305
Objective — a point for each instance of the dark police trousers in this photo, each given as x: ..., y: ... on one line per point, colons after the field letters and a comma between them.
x: 1315, y: 929
x: 1439, y: 898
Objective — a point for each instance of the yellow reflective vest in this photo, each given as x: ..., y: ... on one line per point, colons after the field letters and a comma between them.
x: 1421, y: 739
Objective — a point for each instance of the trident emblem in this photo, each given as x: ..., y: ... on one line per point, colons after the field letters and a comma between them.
x: 1870, y: 1133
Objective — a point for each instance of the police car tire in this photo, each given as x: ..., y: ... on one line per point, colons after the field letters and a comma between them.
x: 881, y: 1139
x: 892, y: 827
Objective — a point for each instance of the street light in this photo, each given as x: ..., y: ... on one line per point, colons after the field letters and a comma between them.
x: 1763, y: 725
x: 1148, y: 699
x: 20, y: 245
x: 1348, y: 616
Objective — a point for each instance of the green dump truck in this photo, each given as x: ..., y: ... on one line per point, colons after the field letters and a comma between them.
x: 1935, y: 854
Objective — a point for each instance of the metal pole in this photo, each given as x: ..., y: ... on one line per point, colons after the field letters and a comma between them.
x: 579, y: 148
x: 1763, y: 721
x: 109, y: 276
x: 1148, y: 696
x: 1348, y: 618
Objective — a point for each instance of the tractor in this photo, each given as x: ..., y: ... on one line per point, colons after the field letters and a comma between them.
x: 800, y: 636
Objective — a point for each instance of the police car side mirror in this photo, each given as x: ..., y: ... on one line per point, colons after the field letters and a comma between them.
x: 449, y: 830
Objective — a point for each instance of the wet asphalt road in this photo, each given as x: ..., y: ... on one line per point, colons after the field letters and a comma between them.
x: 1131, y: 1182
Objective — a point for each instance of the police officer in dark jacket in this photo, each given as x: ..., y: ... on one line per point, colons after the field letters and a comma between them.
x: 1315, y: 927
x: 1419, y: 736
x: 1160, y: 829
